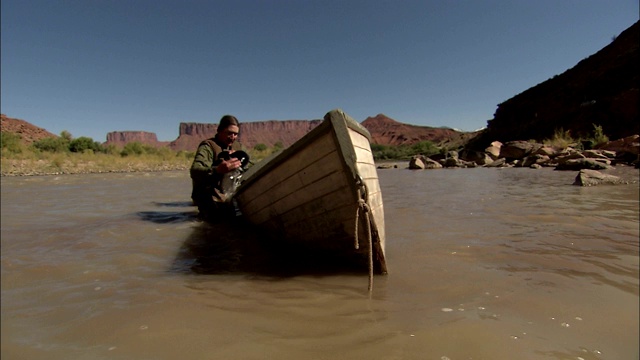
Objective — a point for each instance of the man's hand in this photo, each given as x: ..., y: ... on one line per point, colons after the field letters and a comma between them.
x: 228, y: 165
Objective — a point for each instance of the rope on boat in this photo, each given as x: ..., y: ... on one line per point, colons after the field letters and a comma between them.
x: 362, y: 203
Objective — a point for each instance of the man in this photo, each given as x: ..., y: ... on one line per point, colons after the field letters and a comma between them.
x: 208, y: 168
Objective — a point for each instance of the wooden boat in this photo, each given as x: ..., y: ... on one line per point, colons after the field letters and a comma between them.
x: 321, y: 192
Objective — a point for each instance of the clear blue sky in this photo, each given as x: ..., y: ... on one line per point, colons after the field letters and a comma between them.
x: 95, y: 66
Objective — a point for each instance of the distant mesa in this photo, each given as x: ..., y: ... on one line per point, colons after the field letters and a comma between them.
x: 270, y: 132
x: 122, y: 138
x: 384, y: 131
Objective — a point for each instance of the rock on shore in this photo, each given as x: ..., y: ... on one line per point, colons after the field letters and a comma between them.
x: 535, y: 155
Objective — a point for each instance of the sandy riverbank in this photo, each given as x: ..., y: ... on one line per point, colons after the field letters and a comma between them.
x: 32, y: 167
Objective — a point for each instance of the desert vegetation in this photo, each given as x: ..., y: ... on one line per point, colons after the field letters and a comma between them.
x: 405, y: 152
x: 68, y: 155
x: 562, y: 139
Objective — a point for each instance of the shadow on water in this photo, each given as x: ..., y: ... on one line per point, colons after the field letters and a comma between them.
x: 233, y: 245
x: 165, y: 217
x: 236, y: 247
x: 174, y: 204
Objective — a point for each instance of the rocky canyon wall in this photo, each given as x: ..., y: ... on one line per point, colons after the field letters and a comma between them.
x: 268, y: 133
x: 601, y: 90
x: 121, y: 138
x: 384, y: 131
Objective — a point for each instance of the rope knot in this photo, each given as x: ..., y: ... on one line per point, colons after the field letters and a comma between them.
x: 363, y: 196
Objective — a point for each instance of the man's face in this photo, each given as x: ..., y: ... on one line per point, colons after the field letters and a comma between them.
x: 229, y: 135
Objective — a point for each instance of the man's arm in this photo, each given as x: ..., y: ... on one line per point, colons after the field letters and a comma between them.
x: 201, y: 169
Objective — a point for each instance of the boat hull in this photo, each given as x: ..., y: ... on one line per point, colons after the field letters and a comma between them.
x: 321, y: 193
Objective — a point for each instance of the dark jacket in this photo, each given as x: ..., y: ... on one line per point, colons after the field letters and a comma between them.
x: 203, y: 175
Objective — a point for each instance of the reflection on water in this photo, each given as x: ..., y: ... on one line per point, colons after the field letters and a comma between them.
x: 165, y: 217
x: 237, y: 247
x: 483, y: 264
x: 232, y: 245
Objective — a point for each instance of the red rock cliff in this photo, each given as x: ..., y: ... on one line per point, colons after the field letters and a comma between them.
x: 383, y: 129
x: 600, y: 90
x: 251, y: 133
x: 121, y: 138
x: 387, y: 131
x: 28, y: 132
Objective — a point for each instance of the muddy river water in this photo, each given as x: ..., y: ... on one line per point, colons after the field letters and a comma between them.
x: 483, y: 264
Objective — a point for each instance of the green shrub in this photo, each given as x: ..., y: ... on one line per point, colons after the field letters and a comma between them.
x: 384, y: 152
x: 163, y: 152
x: 403, y: 152
x: 277, y: 147
x: 424, y: 148
x: 260, y: 147
x: 111, y: 150
x: 133, y: 148
x: 83, y: 143
x: 598, y: 135
x: 57, y: 161
x: 561, y: 139
x: 66, y: 135
x: 11, y: 143
x: 185, y: 154
x: 52, y: 144
x: 598, y: 138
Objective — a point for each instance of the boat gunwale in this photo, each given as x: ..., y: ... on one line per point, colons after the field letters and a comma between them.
x: 333, y: 119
